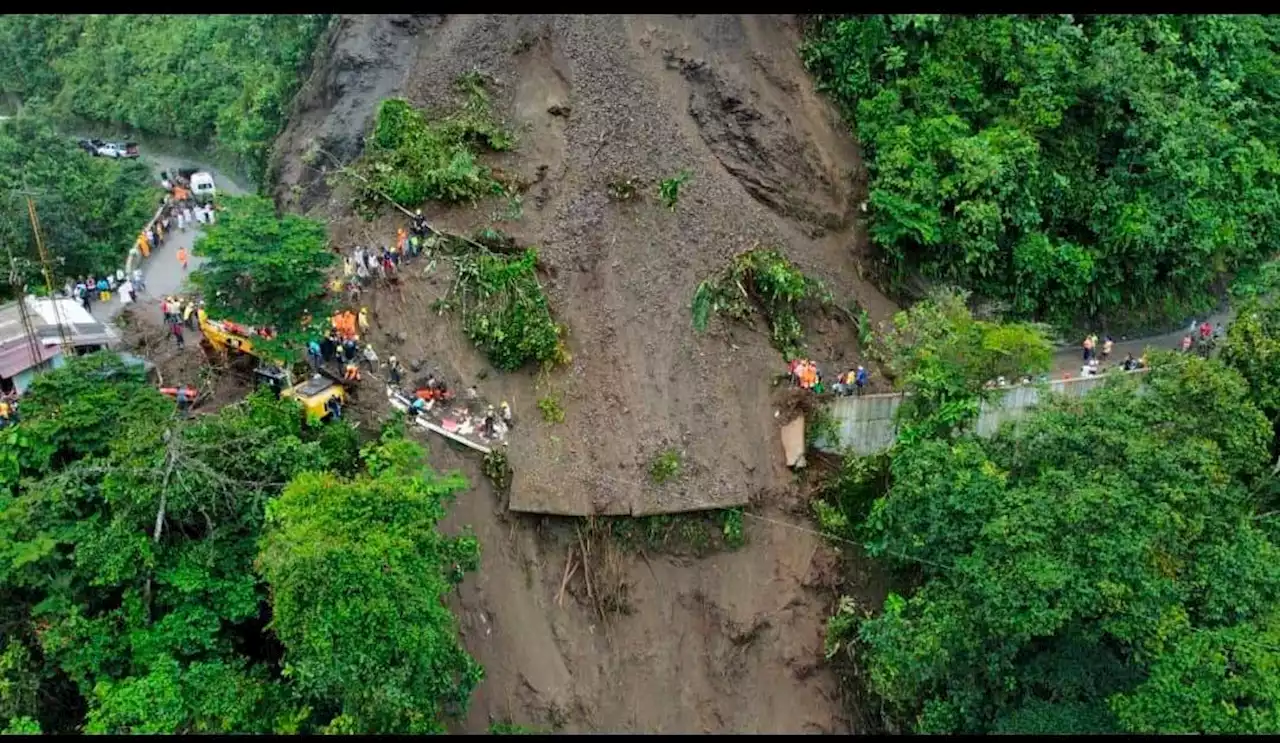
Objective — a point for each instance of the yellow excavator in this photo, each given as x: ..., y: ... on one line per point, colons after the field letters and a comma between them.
x: 314, y: 394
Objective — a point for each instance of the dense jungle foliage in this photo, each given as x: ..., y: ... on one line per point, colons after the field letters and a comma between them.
x: 218, y: 81
x: 235, y: 572
x: 90, y: 209
x: 1107, y: 564
x: 1079, y: 168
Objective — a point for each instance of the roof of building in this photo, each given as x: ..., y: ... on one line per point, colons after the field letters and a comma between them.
x: 44, y: 314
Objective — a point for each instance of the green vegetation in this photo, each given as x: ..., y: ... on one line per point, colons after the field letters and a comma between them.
x: 131, y: 545
x: 223, y: 81
x: 504, y: 310
x: 944, y: 356
x: 411, y: 157
x: 1106, y: 564
x: 358, y: 571
x: 665, y: 466
x: 669, y: 189
x: 551, y: 409
x: 265, y: 270
x: 1079, y: 168
x: 696, y: 533
x: 766, y: 280
x: 511, y: 728
x: 90, y: 209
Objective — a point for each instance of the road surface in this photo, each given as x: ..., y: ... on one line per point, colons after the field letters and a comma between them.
x: 161, y: 272
x: 1072, y: 359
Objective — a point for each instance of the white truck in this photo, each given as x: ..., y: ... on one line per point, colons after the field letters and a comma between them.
x: 202, y: 188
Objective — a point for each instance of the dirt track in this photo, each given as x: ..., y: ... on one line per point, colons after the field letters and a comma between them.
x: 727, y: 643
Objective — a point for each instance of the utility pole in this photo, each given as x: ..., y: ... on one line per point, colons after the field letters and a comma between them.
x: 63, y: 338
x: 20, y: 290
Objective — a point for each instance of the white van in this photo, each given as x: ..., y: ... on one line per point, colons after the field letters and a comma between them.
x: 202, y: 187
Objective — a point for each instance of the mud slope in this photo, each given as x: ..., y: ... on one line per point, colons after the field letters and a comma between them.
x: 361, y: 60
x: 593, y: 98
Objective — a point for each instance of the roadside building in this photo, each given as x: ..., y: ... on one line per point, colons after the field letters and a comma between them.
x: 33, y: 344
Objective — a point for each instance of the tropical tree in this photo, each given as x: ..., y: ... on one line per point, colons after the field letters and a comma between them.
x: 1099, y: 566
x: 264, y: 269
x: 1079, y: 168
x: 358, y: 572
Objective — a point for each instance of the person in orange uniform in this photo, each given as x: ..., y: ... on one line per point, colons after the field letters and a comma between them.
x: 182, y: 257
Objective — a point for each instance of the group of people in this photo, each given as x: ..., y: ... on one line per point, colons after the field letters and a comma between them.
x: 178, y: 312
x: 806, y: 375
x: 345, y: 349
x: 89, y: 288
x: 382, y: 262
x: 1203, y: 337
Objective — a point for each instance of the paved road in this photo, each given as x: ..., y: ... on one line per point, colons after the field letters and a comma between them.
x: 1072, y: 359
x: 161, y: 271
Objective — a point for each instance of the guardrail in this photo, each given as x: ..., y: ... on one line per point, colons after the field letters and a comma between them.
x: 868, y: 424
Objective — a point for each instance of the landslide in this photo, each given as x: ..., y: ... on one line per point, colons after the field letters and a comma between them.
x: 591, y: 99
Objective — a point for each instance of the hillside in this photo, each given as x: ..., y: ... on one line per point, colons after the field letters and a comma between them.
x: 592, y: 99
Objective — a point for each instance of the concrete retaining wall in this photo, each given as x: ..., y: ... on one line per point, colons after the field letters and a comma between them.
x: 868, y: 424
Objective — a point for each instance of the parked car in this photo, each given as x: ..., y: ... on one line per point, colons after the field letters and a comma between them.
x: 117, y: 150
x: 91, y: 145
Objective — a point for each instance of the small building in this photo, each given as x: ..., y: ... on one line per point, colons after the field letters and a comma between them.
x: 26, y: 349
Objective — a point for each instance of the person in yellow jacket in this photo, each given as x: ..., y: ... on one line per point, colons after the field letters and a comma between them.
x: 143, y: 245
x: 364, y: 320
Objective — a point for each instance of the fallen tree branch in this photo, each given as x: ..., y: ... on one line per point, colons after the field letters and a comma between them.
x: 347, y: 170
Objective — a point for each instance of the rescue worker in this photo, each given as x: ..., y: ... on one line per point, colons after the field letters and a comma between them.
x: 364, y: 320
x: 182, y: 257
x: 505, y: 410
x: 188, y: 314
x: 334, y: 406
x: 351, y: 372
x: 177, y: 335
x: 394, y: 370
x: 371, y: 357
x: 184, y: 401
x: 104, y: 292
x: 860, y: 379
x: 5, y: 413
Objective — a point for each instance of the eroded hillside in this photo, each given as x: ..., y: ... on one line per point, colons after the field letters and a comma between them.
x: 593, y: 99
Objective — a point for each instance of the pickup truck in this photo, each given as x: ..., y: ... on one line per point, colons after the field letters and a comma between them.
x: 91, y: 145
x: 114, y: 150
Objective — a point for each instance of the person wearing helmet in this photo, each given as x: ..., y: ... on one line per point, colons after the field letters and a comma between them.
x: 394, y: 371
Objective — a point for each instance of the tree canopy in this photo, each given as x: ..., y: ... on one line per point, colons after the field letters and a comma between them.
x: 1079, y: 168
x: 129, y: 595
x: 1103, y: 564
x: 90, y: 209
x: 264, y: 269
x: 225, y: 81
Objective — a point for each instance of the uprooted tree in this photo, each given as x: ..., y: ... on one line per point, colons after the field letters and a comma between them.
x: 766, y: 280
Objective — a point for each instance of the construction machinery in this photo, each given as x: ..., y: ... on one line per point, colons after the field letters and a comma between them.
x: 225, y: 337
x: 313, y: 394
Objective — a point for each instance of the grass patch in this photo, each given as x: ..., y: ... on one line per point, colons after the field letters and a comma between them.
x: 763, y: 280
x: 551, y: 409
x: 665, y: 466
x: 669, y: 189
x: 820, y: 425
x: 412, y: 157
